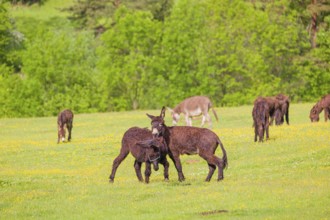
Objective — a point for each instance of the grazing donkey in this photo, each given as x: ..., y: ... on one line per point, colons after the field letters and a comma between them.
x: 190, y: 140
x: 144, y: 148
x: 260, y: 114
x: 192, y: 107
x: 65, y: 118
x: 273, y: 108
x: 283, y: 109
x: 323, y: 104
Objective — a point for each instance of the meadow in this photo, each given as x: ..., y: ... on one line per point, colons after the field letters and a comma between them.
x: 286, y: 177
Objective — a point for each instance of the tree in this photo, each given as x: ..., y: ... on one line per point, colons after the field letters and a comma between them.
x: 126, y: 55
x: 61, y: 65
x: 10, y: 39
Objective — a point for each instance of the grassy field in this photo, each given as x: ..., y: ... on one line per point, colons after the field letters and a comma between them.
x: 286, y: 177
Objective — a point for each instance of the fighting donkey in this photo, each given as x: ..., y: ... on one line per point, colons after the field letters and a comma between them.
x: 192, y: 107
x: 190, y: 140
x: 64, y: 119
x: 145, y: 149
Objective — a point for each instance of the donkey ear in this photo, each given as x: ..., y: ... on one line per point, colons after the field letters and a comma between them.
x: 162, y: 113
x: 150, y: 116
x: 147, y: 143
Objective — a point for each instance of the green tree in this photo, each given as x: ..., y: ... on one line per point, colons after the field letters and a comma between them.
x: 125, y: 58
x: 10, y: 40
x: 62, y: 66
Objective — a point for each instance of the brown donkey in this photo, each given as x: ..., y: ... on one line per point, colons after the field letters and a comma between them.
x: 260, y: 115
x: 323, y: 104
x: 65, y: 118
x: 190, y: 140
x: 145, y: 149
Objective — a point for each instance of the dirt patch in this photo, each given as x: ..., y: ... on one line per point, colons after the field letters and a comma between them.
x: 213, y: 212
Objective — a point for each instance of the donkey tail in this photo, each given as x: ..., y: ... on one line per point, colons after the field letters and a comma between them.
x: 214, y: 112
x: 287, y: 114
x: 224, y: 157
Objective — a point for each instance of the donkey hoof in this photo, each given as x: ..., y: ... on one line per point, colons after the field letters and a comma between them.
x: 182, y: 180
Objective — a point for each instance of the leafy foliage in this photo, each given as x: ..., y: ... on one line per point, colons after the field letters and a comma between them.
x: 155, y: 53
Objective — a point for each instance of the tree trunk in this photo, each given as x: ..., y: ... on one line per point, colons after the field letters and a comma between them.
x: 313, y: 26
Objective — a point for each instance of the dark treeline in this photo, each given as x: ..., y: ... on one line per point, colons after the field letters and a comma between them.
x: 123, y: 55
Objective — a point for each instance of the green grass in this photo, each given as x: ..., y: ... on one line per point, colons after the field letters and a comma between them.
x: 286, y: 177
x: 50, y: 9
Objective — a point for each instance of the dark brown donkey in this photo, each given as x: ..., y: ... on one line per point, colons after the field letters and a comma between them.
x: 190, y: 140
x: 283, y: 109
x: 140, y: 142
x: 65, y: 118
x: 260, y: 115
x: 323, y: 104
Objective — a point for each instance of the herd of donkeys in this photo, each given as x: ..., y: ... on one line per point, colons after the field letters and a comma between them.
x: 152, y: 146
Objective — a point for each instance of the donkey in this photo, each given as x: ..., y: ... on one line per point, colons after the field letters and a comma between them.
x: 260, y: 114
x: 283, y: 109
x: 273, y: 108
x: 190, y: 140
x: 192, y: 107
x: 140, y: 142
x: 278, y: 107
x: 65, y: 118
x: 323, y: 104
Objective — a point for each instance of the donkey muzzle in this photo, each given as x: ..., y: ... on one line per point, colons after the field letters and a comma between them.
x: 155, y: 131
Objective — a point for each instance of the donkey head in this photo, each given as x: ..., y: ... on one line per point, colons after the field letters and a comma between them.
x: 61, y: 133
x: 175, y: 116
x: 152, y: 148
x: 314, y: 113
x: 158, y: 123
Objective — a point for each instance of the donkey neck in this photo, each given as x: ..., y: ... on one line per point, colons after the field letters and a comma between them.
x: 318, y: 108
x: 166, y: 135
x: 178, y: 109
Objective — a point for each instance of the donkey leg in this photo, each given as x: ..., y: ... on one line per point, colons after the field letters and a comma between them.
x: 213, y: 161
x: 58, y: 135
x: 255, y: 133
x: 137, y: 166
x: 187, y: 119
x: 177, y: 163
x: 220, y: 164
x: 206, y: 118
x: 147, y: 172
x: 116, y: 163
x: 166, y: 166
x: 267, y: 130
x: 211, y: 171
x: 209, y: 120
x: 203, y: 120
x: 69, y: 131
